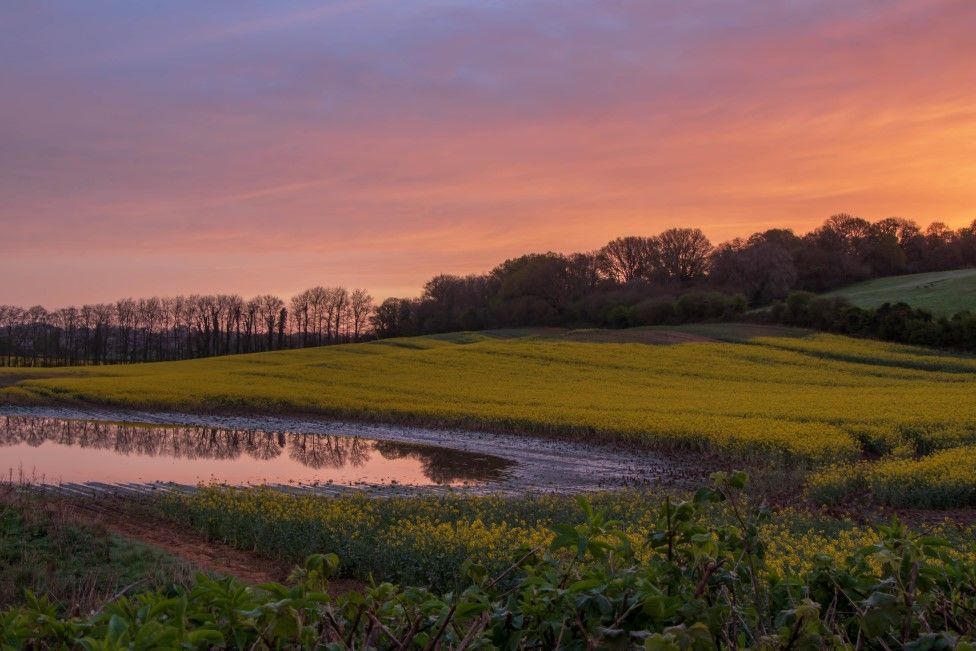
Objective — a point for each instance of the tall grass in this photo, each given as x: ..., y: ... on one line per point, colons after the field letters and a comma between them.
x: 79, y: 567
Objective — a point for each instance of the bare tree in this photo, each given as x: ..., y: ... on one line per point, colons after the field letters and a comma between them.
x: 682, y: 255
x: 627, y: 259
x: 361, y: 306
x: 149, y: 315
x: 11, y: 318
x: 300, y: 308
x: 252, y: 310
x: 317, y: 299
x: 335, y: 305
x: 269, y: 309
x: 125, y: 315
x: 233, y: 309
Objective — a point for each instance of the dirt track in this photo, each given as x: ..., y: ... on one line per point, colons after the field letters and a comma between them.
x: 177, y: 541
x: 133, y: 521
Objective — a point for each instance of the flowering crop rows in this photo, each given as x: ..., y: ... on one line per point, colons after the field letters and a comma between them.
x: 424, y: 539
x: 816, y: 400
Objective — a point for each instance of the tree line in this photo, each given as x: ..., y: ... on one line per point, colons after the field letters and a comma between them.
x: 676, y: 276
x: 180, y: 327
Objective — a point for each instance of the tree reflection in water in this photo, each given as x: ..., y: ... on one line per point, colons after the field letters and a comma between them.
x: 317, y: 451
x: 444, y: 465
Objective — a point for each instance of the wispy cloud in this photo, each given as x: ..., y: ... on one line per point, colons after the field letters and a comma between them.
x: 389, y: 141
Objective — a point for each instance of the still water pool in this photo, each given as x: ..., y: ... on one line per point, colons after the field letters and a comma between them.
x: 55, y: 450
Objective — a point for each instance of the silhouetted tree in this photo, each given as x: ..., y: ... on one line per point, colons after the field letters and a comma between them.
x: 360, y: 306
x: 682, y: 255
x: 532, y: 289
x: 629, y: 259
x: 269, y: 308
x: 636, y: 280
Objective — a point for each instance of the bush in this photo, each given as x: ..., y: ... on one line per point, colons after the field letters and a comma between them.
x: 619, y: 317
x: 735, y: 305
x: 797, y: 305
x: 703, y: 306
x: 654, y: 311
x: 891, y: 322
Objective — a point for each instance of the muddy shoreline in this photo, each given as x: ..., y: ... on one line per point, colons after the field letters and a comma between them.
x: 541, y: 464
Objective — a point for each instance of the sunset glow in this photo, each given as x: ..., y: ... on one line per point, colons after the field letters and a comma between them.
x: 267, y: 147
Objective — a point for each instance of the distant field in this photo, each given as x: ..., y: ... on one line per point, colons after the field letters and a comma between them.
x: 802, y: 396
x: 942, y: 292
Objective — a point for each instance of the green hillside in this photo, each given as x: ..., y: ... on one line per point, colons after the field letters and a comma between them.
x: 940, y: 292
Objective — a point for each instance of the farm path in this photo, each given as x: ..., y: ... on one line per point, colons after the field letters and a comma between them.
x: 208, y: 556
x: 128, y: 520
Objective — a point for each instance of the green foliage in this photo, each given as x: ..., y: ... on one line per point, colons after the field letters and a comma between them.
x: 942, y: 293
x: 77, y: 567
x: 689, y: 307
x: 407, y: 539
x: 704, y: 585
x: 890, y: 321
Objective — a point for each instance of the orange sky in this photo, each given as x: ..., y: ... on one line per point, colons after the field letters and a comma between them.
x: 250, y: 147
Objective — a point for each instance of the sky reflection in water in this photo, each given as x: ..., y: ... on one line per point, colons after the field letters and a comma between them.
x: 52, y: 450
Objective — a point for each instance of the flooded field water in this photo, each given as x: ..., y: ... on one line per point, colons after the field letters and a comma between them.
x: 58, y: 450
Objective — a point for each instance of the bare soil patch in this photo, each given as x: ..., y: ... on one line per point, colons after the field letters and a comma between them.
x: 209, y: 556
x: 636, y: 336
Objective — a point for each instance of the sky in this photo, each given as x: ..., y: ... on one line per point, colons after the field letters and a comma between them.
x: 254, y: 147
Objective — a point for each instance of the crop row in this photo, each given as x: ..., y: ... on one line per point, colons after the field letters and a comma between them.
x: 943, y: 479
x: 424, y: 539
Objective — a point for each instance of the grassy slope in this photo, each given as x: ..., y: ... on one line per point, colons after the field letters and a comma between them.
x: 809, y: 396
x: 76, y: 566
x: 941, y: 292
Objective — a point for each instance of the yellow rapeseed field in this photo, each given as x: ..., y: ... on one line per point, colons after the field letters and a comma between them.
x: 815, y: 398
x: 946, y: 478
x: 425, y: 539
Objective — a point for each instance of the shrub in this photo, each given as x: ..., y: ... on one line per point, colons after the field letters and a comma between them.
x: 890, y: 322
x: 619, y: 316
x: 654, y: 311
